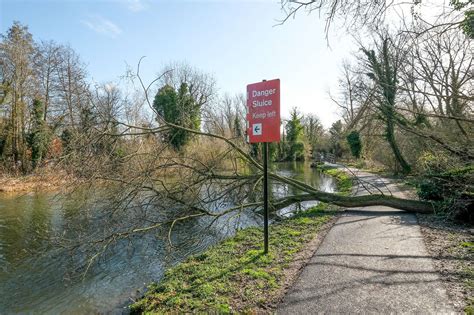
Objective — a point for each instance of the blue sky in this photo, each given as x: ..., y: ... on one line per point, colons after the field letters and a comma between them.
x: 236, y: 41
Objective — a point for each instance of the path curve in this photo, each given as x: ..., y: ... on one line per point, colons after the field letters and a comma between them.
x: 373, y: 260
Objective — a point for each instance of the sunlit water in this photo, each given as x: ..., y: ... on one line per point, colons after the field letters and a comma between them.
x: 36, y: 277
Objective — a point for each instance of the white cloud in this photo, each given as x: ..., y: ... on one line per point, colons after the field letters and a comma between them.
x: 102, y: 26
x: 135, y: 5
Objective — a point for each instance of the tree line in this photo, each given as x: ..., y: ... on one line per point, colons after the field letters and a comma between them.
x: 48, y: 104
x: 45, y: 98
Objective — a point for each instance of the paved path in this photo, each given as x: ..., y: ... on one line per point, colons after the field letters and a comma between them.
x: 372, y: 261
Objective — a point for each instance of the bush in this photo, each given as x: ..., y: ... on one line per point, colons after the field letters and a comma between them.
x: 353, y: 139
x: 298, y: 151
x: 430, y: 189
x: 449, y: 183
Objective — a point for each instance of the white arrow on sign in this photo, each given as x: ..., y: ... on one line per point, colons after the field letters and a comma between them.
x: 257, y: 129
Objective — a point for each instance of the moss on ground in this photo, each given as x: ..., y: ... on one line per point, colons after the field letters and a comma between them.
x: 235, y: 275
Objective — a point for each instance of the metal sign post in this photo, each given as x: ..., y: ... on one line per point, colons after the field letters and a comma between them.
x: 265, y: 197
x: 263, y: 126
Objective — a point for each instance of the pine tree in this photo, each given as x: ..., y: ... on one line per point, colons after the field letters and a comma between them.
x: 294, y: 137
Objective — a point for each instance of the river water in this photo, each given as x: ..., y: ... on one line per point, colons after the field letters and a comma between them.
x: 39, y: 277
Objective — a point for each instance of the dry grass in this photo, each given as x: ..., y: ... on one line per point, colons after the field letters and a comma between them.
x: 46, y: 180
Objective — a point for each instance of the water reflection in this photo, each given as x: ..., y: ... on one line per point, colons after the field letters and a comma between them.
x: 302, y: 172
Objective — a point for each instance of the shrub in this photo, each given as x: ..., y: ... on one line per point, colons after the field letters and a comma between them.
x: 354, y: 143
x: 449, y: 183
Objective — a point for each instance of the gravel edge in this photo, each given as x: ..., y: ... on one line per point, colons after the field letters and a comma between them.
x: 453, y: 261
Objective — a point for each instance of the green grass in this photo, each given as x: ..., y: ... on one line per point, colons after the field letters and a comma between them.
x: 469, y: 309
x: 343, y: 180
x: 360, y: 163
x: 235, y: 275
x: 324, y: 167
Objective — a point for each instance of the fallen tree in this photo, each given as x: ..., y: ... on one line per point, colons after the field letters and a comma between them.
x: 197, y: 177
x: 150, y: 185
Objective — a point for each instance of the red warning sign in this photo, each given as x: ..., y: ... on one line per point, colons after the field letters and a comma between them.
x: 263, y: 111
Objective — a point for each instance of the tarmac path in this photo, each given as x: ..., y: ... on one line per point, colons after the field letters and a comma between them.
x: 372, y: 261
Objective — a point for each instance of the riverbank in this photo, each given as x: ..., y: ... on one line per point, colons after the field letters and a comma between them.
x: 41, y: 181
x: 343, y: 180
x: 235, y: 276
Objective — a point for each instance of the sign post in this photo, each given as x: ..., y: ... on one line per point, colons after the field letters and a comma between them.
x: 265, y: 197
x: 263, y: 126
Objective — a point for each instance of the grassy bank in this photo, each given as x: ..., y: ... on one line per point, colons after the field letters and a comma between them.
x: 343, y: 180
x: 235, y: 275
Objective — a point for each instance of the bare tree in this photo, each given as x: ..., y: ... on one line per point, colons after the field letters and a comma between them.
x: 47, y: 63
x: 438, y: 80
x: 149, y: 186
x: 201, y: 85
x: 73, y: 88
x: 16, y: 53
x: 313, y: 131
x: 371, y: 14
x: 360, y: 12
x: 227, y: 116
x: 355, y: 95
x: 435, y: 85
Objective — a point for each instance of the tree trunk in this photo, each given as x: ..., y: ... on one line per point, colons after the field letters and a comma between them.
x: 310, y: 193
x: 390, y: 135
x: 357, y: 201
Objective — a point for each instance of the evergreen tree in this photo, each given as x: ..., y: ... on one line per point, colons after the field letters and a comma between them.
x: 178, y: 108
x: 336, y: 136
x: 40, y: 136
x: 238, y: 127
x: 256, y: 151
x: 294, y: 137
x: 354, y: 143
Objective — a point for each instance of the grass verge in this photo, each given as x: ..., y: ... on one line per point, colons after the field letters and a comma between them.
x: 235, y: 276
x: 343, y: 180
